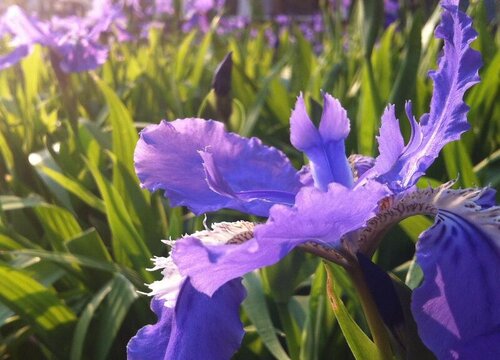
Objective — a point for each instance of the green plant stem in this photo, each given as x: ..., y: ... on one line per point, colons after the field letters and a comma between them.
x: 375, y: 322
x: 291, y: 330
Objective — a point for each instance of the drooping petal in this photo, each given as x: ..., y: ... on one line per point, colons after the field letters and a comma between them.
x: 447, y: 119
x: 325, y: 147
x: 207, y: 327
x: 151, y: 341
x: 457, y: 307
x: 170, y: 156
x: 14, y: 56
x: 199, y: 327
x: 316, y: 216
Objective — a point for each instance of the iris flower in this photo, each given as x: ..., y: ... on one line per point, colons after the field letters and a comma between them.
x: 327, y: 209
x: 72, y: 44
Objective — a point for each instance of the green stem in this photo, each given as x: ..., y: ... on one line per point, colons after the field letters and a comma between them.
x: 291, y: 330
x: 375, y: 322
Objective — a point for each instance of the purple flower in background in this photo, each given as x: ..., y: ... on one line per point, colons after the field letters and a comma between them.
x: 328, y: 209
x: 391, y: 11
x: 105, y: 16
x: 73, y: 47
x: 196, y: 13
x: 164, y: 6
x: 230, y: 24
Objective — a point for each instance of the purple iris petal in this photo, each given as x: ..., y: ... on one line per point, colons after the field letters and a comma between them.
x: 325, y: 146
x: 71, y: 42
x: 104, y: 16
x: 199, y: 326
x: 389, y: 150
x: 457, y: 308
x: 447, y: 120
x: 26, y: 30
x: 164, y: 6
x: 487, y: 198
x: 316, y: 216
x: 243, y: 174
x: 14, y: 56
x: 151, y: 341
x: 360, y: 164
x: 391, y: 11
x: 81, y: 56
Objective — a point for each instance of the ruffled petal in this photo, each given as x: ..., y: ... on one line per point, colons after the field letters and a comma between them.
x: 316, y: 216
x: 325, y: 147
x: 447, y: 119
x: 167, y: 289
x: 390, y: 141
x: 457, y: 307
x: 168, y: 157
x: 199, y: 327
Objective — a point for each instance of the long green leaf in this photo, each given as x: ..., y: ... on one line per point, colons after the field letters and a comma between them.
x: 113, y: 312
x: 126, y: 241
x: 458, y: 164
x: 39, y: 307
x: 361, y: 345
x: 75, y: 188
x: 82, y: 327
x: 84, y: 261
x: 256, y: 308
x: 124, y: 134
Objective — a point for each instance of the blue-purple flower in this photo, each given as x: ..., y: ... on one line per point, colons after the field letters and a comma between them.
x: 328, y: 209
x: 73, y: 46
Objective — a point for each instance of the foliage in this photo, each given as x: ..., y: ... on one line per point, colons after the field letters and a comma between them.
x: 77, y: 232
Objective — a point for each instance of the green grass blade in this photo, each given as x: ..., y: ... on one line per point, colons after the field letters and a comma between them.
x: 126, y: 241
x: 82, y: 327
x: 124, y: 134
x: 258, y: 313
x: 75, y: 188
x: 38, y: 306
x: 113, y: 312
x: 361, y: 345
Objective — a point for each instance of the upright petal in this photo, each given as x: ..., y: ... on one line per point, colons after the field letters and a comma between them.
x: 325, y: 147
x: 390, y: 141
x: 316, y: 216
x: 26, y: 30
x: 202, y: 166
x: 447, y: 120
x: 457, y: 307
x: 199, y: 327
